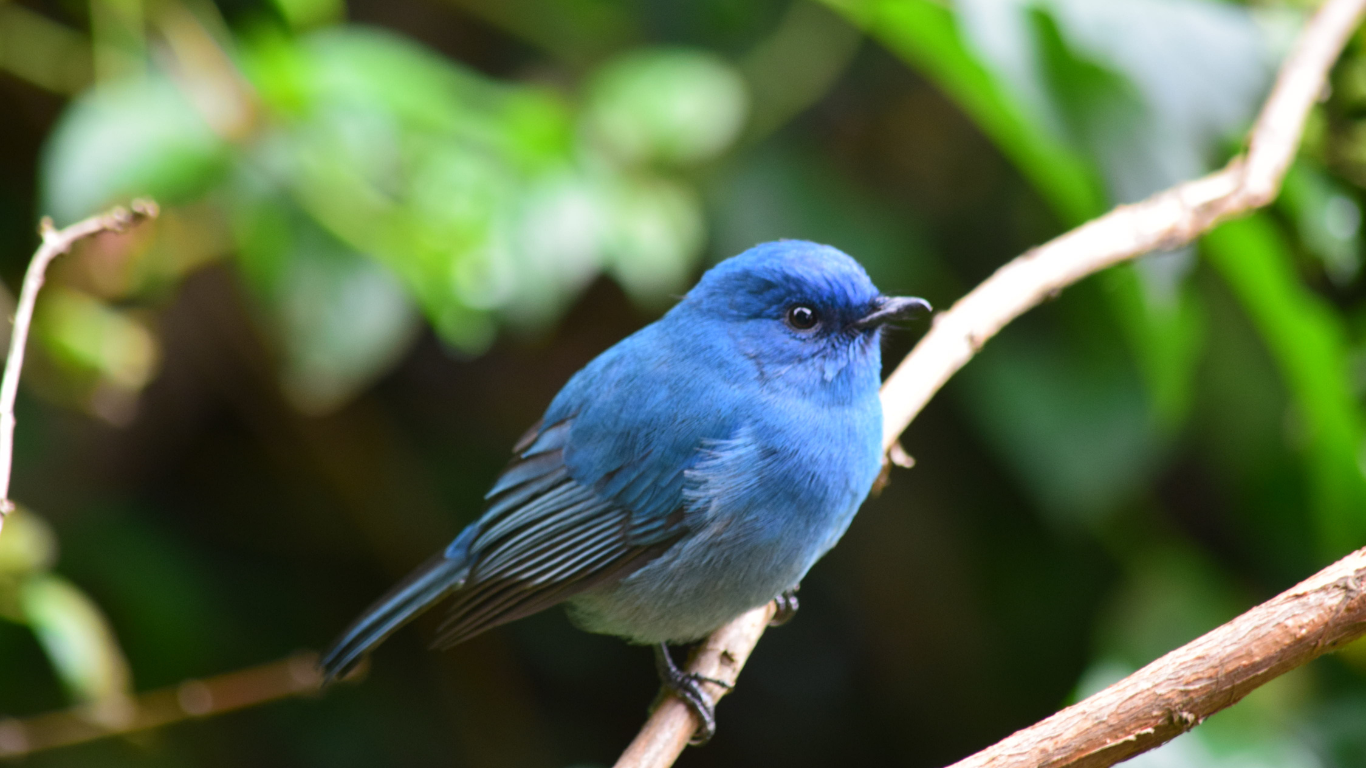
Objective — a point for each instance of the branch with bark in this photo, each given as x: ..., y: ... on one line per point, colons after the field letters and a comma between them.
x: 55, y: 243
x: 1176, y: 692
x: 190, y: 699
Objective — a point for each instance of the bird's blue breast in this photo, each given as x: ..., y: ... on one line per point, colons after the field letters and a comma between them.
x: 767, y: 482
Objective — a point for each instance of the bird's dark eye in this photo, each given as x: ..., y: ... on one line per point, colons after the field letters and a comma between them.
x: 802, y: 317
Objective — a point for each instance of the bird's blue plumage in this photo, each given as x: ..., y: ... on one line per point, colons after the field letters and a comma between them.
x: 693, y: 471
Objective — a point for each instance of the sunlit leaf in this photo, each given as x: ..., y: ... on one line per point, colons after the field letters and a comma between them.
x: 135, y: 137
x: 85, y: 333
x: 1066, y: 85
x: 370, y: 70
x: 653, y: 237
x: 342, y: 319
x: 673, y: 106
x: 79, y: 643
x: 1150, y: 88
x: 28, y: 544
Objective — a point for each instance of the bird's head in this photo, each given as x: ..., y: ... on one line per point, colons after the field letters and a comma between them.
x: 799, y: 311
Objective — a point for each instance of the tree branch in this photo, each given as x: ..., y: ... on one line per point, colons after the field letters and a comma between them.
x: 55, y: 243
x: 1181, y: 689
x: 1178, y: 691
x: 191, y: 699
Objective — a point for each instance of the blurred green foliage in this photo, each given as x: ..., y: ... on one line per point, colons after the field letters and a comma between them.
x: 394, y: 227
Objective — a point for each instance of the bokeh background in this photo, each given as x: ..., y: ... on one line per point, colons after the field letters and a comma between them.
x: 393, y: 228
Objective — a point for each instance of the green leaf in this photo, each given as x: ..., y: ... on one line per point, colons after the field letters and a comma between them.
x: 79, y: 643
x: 666, y: 105
x: 86, y: 334
x: 1151, y: 90
x: 131, y: 138
x: 1143, y: 91
x: 27, y: 544
x: 655, y: 231
x: 1309, y: 344
x: 1327, y: 217
x: 367, y: 70
x: 302, y: 14
x: 341, y: 319
x: 1166, y: 338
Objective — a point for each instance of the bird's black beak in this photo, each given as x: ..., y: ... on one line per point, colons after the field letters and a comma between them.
x: 888, y: 308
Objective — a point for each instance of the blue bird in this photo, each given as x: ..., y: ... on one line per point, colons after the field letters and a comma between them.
x: 692, y: 472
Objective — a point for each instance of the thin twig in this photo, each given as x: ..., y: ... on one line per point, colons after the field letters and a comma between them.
x: 294, y: 676
x: 55, y: 243
x: 1166, y: 220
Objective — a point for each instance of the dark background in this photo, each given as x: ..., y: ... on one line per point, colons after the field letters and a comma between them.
x: 1122, y: 470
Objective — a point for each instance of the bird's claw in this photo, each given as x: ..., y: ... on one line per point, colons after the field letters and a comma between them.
x: 785, y: 607
x: 687, y: 686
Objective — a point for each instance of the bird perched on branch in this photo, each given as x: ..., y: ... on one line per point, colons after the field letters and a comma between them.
x: 690, y: 473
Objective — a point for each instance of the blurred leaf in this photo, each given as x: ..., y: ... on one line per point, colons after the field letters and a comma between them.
x: 1074, y: 427
x: 673, y: 106
x: 653, y: 238
x: 1327, y: 217
x: 87, y: 334
x: 411, y: 161
x: 1166, y: 337
x: 1308, y: 341
x: 80, y: 645
x: 134, y: 137
x: 1172, y: 594
x: 43, y: 52
x: 796, y: 65
x: 28, y: 544
x: 1152, y: 89
x: 1144, y: 89
x: 342, y: 319
x: 931, y: 39
x: 302, y: 14
x: 472, y: 192
x: 369, y: 70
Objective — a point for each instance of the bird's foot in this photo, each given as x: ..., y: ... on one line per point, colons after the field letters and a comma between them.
x: 786, y: 607
x: 687, y: 686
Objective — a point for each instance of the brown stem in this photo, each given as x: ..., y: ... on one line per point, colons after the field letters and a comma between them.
x: 190, y: 699
x: 1166, y: 220
x: 1178, y: 691
x: 55, y: 243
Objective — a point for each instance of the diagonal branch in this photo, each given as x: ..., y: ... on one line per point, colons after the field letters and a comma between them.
x: 55, y: 243
x: 191, y: 699
x: 1178, y: 691
x: 1263, y: 641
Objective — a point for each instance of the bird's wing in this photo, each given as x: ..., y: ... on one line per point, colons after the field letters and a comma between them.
x: 544, y: 538
x: 595, y: 491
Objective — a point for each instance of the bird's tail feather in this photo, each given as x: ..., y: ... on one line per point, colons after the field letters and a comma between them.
x: 422, y: 589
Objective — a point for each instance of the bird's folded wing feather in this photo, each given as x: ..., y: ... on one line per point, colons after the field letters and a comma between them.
x: 594, y: 492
